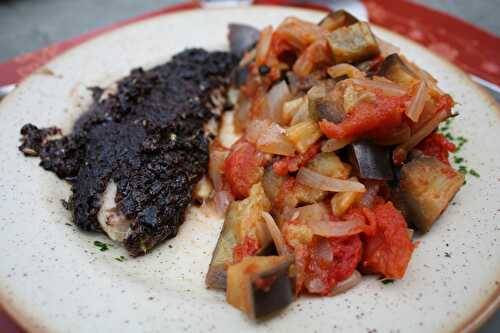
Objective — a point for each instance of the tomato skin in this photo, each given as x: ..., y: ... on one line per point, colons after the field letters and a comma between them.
x: 285, y: 195
x: 438, y: 146
x: 248, y: 247
x: 389, y: 250
x: 368, y: 117
x: 346, y: 253
x: 242, y: 168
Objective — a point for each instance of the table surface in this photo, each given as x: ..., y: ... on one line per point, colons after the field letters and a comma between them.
x: 27, y: 25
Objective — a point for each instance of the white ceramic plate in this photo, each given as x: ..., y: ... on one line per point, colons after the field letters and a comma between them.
x: 52, y: 277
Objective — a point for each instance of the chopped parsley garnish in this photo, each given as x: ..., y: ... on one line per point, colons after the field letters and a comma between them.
x: 387, y: 281
x: 459, y: 142
x: 474, y: 173
x: 120, y: 258
x: 102, y: 246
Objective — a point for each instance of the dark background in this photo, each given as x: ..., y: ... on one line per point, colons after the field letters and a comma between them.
x: 27, y: 25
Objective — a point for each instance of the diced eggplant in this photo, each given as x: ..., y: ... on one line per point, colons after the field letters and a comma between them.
x: 337, y: 19
x: 243, y: 218
x: 222, y: 255
x: 299, y: 84
x: 371, y: 161
x: 426, y: 187
x: 239, y: 76
x: 329, y: 110
x: 271, y: 182
x: 330, y: 165
x: 353, y: 44
x: 242, y: 38
x: 308, y: 195
x: 303, y: 135
x: 394, y: 68
x: 260, y: 286
x: 291, y: 108
x: 367, y: 66
x: 322, y: 105
x: 342, y: 201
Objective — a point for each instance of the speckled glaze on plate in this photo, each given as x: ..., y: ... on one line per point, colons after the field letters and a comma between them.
x: 52, y: 277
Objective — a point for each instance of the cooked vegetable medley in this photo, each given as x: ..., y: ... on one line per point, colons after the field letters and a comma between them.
x: 338, y: 162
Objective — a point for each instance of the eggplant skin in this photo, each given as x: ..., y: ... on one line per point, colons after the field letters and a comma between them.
x: 394, y: 68
x: 260, y: 286
x: 337, y: 19
x: 354, y: 43
x: 426, y: 187
x: 371, y: 161
x: 242, y: 38
x: 277, y: 296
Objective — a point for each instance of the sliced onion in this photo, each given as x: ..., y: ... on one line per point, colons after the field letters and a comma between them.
x: 424, y: 75
x: 290, y: 108
x: 242, y: 113
x: 327, y: 228
x: 274, y: 141
x: 276, y: 97
x: 386, y: 48
x: 256, y: 129
x: 247, y: 58
x: 263, y: 45
x: 347, y: 284
x: 345, y: 69
x: 276, y: 235
x: 401, y: 151
x: 315, y: 286
x: 302, y: 114
x: 316, y: 180
x: 334, y: 145
x: 216, y: 164
x: 390, y: 89
x: 222, y: 201
x: 417, y: 103
x: 368, y: 198
x: 324, y: 250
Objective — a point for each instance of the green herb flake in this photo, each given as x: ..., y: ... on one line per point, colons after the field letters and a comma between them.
x: 120, y: 258
x: 474, y: 173
x: 449, y: 136
x: 458, y: 159
x: 387, y: 281
x: 463, y: 169
x: 102, y: 246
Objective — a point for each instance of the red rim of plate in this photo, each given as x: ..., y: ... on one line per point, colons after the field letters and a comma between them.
x: 472, y: 49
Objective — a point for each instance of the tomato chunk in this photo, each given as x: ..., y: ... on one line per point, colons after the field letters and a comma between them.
x: 248, y: 247
x: 242, y: 168
x: 438, y: 146
x: 389, y: 250
x: 293, y: 163
x: 330, y: 261
x: 382, y: 113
